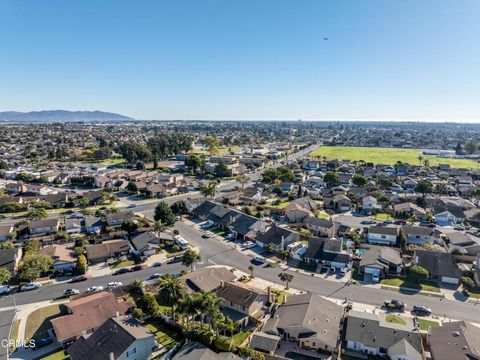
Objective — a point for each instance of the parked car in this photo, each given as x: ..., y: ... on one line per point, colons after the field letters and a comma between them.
x: 121, y: 271
x: 131, y: 206
x: 4, y: 289
x: 175, y: 259
x: 375, y: 278
x: 178, y: 218
x: 249, y: 245
x: 95, y: 289
x: 367, y: 222
x: 42, y: 342
x: 30, y: 286
x: 136, y: 268
x: 155, y: 276
x: 114, y: 284
x: 394, y: 304
x: 259, y: 259
x: 78, y: 279
x: 157, y: 264
x: 332, y: 270
x: 344, y: 271
x: 70, y: 292
x: 205, y: 236
x: 420, y: 310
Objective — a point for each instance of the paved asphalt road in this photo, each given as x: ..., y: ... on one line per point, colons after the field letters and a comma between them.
x: 6, y: 318
x: 224, y: 253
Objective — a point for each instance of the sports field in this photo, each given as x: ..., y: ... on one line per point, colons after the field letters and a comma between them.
x: 387, y: 156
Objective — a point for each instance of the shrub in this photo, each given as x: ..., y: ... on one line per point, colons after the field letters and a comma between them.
x: 418, y: 272
x: 467, y: 282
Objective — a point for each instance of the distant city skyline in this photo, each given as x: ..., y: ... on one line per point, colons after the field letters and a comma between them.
x: 244, y: 59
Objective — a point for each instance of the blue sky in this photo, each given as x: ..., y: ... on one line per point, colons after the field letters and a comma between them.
x: 244, y: 59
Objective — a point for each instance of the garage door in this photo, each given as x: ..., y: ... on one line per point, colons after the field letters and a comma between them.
x: 369, y: 270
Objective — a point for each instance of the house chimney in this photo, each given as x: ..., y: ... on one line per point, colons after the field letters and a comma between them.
x: 269, y: 294
x: 117, y: 314
x: 284, y: 298
x: 222, y: 283
x: 112, y: 356
x: 283, y: 242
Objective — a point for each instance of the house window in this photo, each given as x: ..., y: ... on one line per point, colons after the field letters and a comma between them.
x: 131, y: 351
x: 383, y: 237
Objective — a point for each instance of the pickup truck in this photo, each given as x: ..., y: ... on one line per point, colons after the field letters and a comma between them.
x: 394, y: 305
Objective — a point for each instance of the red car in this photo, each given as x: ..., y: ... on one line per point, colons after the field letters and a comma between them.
x: 137, y: 268
x: 79, y: 279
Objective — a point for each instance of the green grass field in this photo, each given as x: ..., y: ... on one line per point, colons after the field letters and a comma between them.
x: 387, y: 156
x: 395, y: 319
x: 424, y: 324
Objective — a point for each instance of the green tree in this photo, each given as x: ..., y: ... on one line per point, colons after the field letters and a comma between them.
x: 213, y: 144
x: 136, y: 286
x: 130, y: 227
x: 331, y: 179
x: 286, y: 278
x: 171, y: 291
x: 179, y: 207
x: 36, y: 214
x: 221, y: 169
x: 424, y: 187
x: 4, y: 275
x: 251, y: 268
x: 33, y: 266
x: 190, y: 258
x: 418, y: 272
x: 471, y: 146
x: 32, y: 247
x: 6, y: 245
x: 84, y: 202
x: 467, y: 282
x: 81, y: 267
x: 208, y: 190
x: 164, y: 214
x: 359, y: 180
x: 194, y: 162
x: 11, y: 206
x: 242, y: 179
x: 149, y: 305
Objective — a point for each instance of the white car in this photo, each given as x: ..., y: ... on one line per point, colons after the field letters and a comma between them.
x: 114, y: 284
x: 259, y: 259
x: 31, y: 286
x: 4, y: 289
x: 70, y: 292
x: 249, y: 245
x: 94, y: 289
x: 375, y: 278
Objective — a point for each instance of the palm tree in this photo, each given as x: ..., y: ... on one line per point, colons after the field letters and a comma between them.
x: 251, y: 268
x: 190, y: 258
x: 420, y: 159
x: 187, y: 306
x: 426, y: 162
x: 211, y: 307
x: 286, y: 278
x: 171, y: 291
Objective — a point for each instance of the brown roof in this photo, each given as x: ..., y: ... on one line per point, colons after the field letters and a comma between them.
x: 238, y: 294
x: 88, y: 313
x: 107, y: 248
x: 58, y: 253
x: 455, y: 341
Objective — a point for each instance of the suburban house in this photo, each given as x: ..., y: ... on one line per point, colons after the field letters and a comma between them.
x: 241, y: 303
x: 320, y: 227
x: 118, y: 338
x: 203, y: 210
x: 339, y: 203
x: 63, y: 258
x: 277, y: 236
x: 309, y: 320
x: 9, y: 259
x: 440, y: 265
x: 118, y: 218
x: 419, y: 235
x: 92, y: 225
x: 207, y: 279
x: 263, y: 342
x: 296, y: 213
x: 73, y: 226
x: 5, y: 232
x: 366, y: 334
x: 106, y: 250
x: 457, y: 340
x: 380, y: 261
x: 382, y: 235
x: 408, y: 209
x: 449, y: 216
x: 466, y: 244
x: 369, y: 203
x: 43, y: 226
x: 86, y: 314
x: 327, y: 253
x: 146, y: 243
x: 156, y: 191
x: 246, y: 226
x: 196, y: 351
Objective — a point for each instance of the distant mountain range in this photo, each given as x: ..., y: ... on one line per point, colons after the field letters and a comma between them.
x: 61, y: 115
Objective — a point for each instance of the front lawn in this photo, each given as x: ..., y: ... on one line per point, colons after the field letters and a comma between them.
x: 382, y: 217
x: 57, y: 355
x: 280, y: 205
x: 424, y: 324
x: 475, y: 294
x: 280, y: 294
x: 239, y: 338
x: 38, y: 322
x: 411, y: 283
x: 395, y: 319
x: 164, y: 334
x: 121, y: 264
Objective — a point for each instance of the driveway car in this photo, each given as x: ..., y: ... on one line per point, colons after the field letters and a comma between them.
x: 78, y: 279
x: 420, y: 310
x: 121, y: 271
x: 70, y: 292
x: 114, y: 284
x: 31, y: 286
x: 95, y: 289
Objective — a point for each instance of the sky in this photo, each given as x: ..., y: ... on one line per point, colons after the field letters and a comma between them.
x: 244, y: 59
